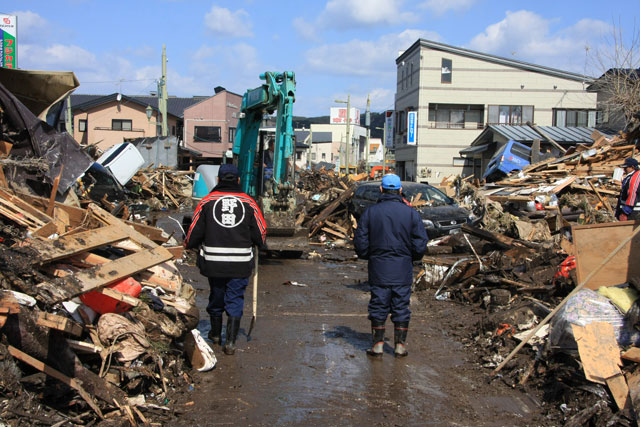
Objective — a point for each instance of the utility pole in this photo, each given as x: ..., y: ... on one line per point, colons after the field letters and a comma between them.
x: 310, y: 147
x: 367, y: 123
x: 348, y: 138
x: 68, y: 123
x: 162, y: 94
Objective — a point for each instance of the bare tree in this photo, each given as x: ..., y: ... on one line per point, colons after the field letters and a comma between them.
x: 619, y: 85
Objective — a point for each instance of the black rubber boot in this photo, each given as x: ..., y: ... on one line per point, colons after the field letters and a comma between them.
x: 233, y: 326
x: 377, y: 334
x: 400, y: 339
x: 215, y: 333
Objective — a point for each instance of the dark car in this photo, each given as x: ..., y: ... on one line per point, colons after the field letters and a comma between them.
x: 98, y: 182
x: 440, y: 214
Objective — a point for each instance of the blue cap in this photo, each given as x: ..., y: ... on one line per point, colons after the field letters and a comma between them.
x: 631, y: 162
x: 227, y: 171
x: 391, y: 182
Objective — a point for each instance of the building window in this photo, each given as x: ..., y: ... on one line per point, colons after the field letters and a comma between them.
x: 510, y: 114
x: 82, y: 125
x: 401, y: 121
x: 461, y: 161
x: 313, y: 156
x: 456, y: 116
x: 299, y: 155
x: 575, y: 118
x: 411, y: 75
x: 324, y: 156
x: 120, y: 124
x: 207, y: 134
x: 445, y: 75
x: 173, y: 130
x: 232, y: 134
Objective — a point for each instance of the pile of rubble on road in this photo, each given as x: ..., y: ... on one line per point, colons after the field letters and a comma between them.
x: 325, y: 211
x: 556, y: 276
x: 95, y: 318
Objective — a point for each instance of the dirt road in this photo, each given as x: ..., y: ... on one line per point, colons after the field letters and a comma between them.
x: 305, y: 362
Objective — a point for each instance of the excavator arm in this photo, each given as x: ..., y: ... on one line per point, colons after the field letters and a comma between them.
x: 274, y: 192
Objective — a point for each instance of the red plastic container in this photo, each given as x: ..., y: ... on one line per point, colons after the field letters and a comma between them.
x: 105, y: 304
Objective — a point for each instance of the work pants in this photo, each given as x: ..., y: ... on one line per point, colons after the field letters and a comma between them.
x: 226, y: 295
x: 390, y: 299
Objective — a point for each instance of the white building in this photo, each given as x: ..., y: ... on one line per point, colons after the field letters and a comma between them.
x: 456, y: 92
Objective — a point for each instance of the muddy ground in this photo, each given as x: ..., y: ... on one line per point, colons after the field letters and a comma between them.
x: 305, y: 361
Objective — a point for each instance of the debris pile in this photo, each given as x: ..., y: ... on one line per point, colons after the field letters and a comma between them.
x: 325, y: 211
x: 95, y: 303
x: 162, y: 188
x: 554, y: 273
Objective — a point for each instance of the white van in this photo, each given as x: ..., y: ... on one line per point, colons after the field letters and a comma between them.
x: 123, y: 161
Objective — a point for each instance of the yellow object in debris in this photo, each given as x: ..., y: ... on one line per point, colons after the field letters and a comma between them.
x: 622, y: 298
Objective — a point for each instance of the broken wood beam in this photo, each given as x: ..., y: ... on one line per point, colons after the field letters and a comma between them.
x: 59, y: 323
x: 54, y: 373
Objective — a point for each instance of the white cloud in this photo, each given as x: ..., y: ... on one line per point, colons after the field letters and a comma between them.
x: 31, y: 26
x: 363, y: 57
x: 223, y: 22
x: 305, y: 29
x: 339, y: 13
x: 527, y: 36
x: 55, y: 57
x: 347, y: 15
x: 440, y: 7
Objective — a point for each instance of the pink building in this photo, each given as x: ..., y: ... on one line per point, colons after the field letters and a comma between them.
x: 210, y: 125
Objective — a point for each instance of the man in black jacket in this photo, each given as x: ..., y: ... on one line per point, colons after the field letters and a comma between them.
x: 391, y: 236
x: 226, y: 225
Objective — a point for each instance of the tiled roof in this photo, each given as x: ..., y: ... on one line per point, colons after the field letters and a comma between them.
x: 175, y: 105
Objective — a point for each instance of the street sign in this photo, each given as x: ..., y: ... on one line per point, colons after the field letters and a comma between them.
x: 8, y: 36
x: 412, y: 127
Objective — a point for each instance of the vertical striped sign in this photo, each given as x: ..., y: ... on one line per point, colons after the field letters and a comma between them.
x: 8, y: 35
x: 412, y: 127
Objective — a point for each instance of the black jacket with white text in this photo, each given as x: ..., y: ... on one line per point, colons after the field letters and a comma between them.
x: 226, y: 224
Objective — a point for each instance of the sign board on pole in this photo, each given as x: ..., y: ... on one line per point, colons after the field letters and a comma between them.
x: 8, y: 37
x: 388, y: 128
x: 339, y: 116
x: 412, y: 127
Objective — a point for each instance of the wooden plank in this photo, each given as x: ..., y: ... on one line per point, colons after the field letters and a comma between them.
x: 620, y: 391
x: 106, y: 274
x: 25, y: 206
x: 633, y: 354
x: 42, y: 367
x: 633, y: 382
x: 85, y: 347
x: 176, y: 251
x: 112, y: 293
x: 599, y: 351
x: 335, y: 233
x: 604, y: 202
x: 54, y: 190
x: 591, y: 241
x: 59, y: 323
x: 79, y: 242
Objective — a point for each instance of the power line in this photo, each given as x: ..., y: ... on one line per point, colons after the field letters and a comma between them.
x: 120, y: 81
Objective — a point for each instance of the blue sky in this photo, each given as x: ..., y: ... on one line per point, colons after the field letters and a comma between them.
x: 335, y: 47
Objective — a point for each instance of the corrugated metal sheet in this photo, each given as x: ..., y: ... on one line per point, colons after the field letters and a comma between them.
x: 562, y: 135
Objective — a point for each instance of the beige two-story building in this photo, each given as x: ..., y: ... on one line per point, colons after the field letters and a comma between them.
x: 450, y: 94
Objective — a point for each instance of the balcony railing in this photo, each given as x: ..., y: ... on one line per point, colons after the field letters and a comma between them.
x: 118, y: 130
x: 449, y: 125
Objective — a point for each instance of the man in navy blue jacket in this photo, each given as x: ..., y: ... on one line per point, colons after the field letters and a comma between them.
x: 391, y: 236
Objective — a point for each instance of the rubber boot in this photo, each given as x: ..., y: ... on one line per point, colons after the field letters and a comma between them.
x: 215, y: 333
x: 233, y: 326
x: 400, y: 339
x: 377, y: 334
